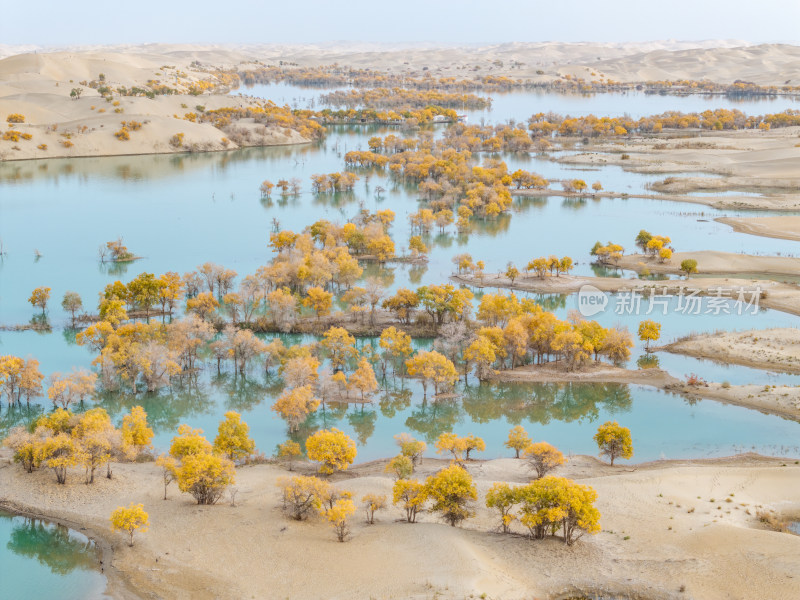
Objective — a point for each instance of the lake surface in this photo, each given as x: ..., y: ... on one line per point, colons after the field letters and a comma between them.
x: 39, y: 559
x: 520, y: 105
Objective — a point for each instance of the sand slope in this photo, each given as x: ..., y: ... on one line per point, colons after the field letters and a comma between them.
x: 39, y: 85
x: 783, y: 227
x: 658, y: 536
x: 771, y: 349
x: 714, y: 262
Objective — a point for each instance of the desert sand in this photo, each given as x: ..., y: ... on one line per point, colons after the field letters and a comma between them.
x: 38, y: 86
x: 754, y: 169
x: 671, y: 529
x: 771, y: 349
x: 774, y: 294
x: 781, y: 400
x: 783, y: 227
x: 722, y: 61
x: 594, y: 372
x: 714, y: 263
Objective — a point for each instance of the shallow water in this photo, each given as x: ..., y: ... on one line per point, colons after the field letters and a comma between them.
x: 39, y: 559
x: 520, y: 105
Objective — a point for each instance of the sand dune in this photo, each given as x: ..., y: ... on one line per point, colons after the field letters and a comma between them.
x: 39, y: 85
x: 766, y: 64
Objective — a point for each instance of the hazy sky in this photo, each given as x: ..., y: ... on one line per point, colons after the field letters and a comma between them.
x: 56, y: 22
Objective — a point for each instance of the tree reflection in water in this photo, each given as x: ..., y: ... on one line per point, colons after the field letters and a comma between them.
x: 54, y: 546
x: 543, y: 402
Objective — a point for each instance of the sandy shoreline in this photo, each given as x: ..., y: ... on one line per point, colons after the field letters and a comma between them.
x: 712, y: 262
x: 651, y: 535
x: 775, y: 295
x: 782, y: 401
x: 117, y: 585
x: 756, y: 170
x: 769, y: 349
x: 783, y: 227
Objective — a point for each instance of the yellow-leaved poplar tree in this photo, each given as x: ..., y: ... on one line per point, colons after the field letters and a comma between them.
x: 543, y: 458
x: 452, y: 491
x: 614, y: 441
x: 233, y: 438
x: 130, y: 519
x: 517, y: 440
x: 332, y: 448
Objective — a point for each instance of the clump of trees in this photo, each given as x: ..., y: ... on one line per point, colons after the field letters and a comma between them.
x: 304, y: 496
x: 459, y: 446
x: 547, y: 506
x: 513, y: 332
x: 401, y: 97
x: 61, y: 440
x: 116, y: 251
x: 204, y: 470
x: 546, y: 267
x: 19, y: 378
x: 611, y: 253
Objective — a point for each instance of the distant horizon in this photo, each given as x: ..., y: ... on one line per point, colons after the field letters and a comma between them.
x: 385, y: 45
x: 89, y: 22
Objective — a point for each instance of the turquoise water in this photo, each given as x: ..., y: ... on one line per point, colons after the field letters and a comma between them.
x: 181, y: 211
x: 567, y: 415
x: 44, y: 560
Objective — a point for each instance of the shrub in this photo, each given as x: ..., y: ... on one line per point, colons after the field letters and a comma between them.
x: 176, y: 141
x: 543, y: 458
x: 338, y: 516
x: 401, y: 466
x: 303, y: 495
x: 205, y: 476
x: 373, y: 503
